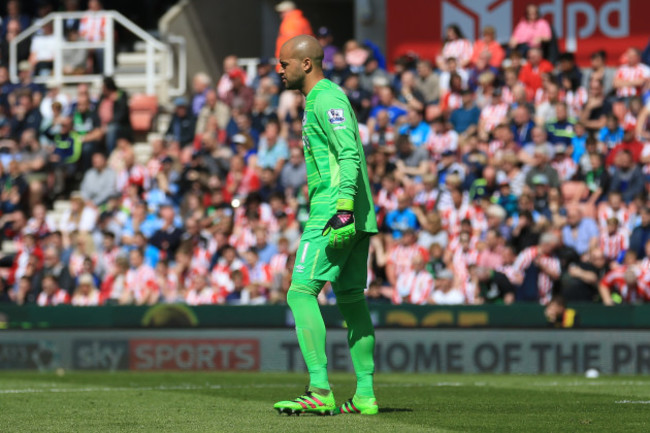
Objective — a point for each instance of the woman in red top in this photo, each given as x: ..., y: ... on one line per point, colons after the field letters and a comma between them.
x: 488, y: 43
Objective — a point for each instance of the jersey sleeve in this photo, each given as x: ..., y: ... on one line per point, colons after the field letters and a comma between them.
x: 337, y: 120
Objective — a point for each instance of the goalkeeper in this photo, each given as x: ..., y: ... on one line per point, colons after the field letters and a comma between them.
x: 334, y: 245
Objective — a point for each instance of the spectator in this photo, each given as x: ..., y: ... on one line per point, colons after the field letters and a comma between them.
x: 86, y: 293
x: 414, y: 286
x: 540, y: 268
x: 200, y: 86
x: 493, y: 286
x: 140, y: 282
x: 14, y: 14
x: 240, y: 96
x: 113, y: 112
x: 54, y: 268
x: 11, y: 29
x: 580, y: 282
x: 579, y: 232
x: 52, y: 294
x: 402, y: 219
x: 273, y: 150
x: 490, y: 45
x: 427, y: 82
x: 225, y: 83
x: 27, y: 116
x: 372, y: 75
x: 531, y: 32
x: 641, y: 234
x: 455, y: 46
x: 293, y: 24
x: 182, y: 125
x: 340, y: 70
x: 466, y: 118
x: 416, y: 128
x: 445, y: 293
x: 600, y: 72
x: 99, y: 183
x: 325, y: 40
x: 631, y: 77
x: 42, y: 51
x: 627, y: 178
x: 92, y: 28
x: 531, y: 73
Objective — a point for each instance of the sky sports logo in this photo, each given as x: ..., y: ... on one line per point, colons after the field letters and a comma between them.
x: 572, y: 20
x: 235, y: 354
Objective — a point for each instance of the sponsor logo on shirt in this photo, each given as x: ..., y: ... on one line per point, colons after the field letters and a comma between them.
x: 335, y: 116
x: 300, y: 269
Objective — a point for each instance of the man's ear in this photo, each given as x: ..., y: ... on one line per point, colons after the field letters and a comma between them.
x: 307, y: 65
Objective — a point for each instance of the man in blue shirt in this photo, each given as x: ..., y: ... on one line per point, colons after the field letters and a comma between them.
x: 466, y: 117
x: 401, y: 219
x: 388, y: 103
x: 578, y: 231
x: 416, y: 128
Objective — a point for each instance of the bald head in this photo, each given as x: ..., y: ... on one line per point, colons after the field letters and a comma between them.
x: 301, y: 63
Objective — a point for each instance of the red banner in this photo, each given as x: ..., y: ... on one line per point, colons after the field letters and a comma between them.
x: 581, y: 26
x: 194, y: 355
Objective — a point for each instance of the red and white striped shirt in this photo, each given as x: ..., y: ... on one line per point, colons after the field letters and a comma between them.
x: 427, y: 199
x: 544, y: 282
x: 415, y: 286
x: 141, y: 282
x: 622, y: 215
x: 92, y: 27
x: 452, y: 217
x: 614, y: 280
x: 59, y: 297
x: 206, y: 296
x: 402, y: 257
x: 278, y: 263
x: 441, y: 143
x: 566, y: 168
x: 493, y: 115
x: 221, y: 279
x: 460, y: 49
x: 387, y: 200
x: 76, y: 265
x: 631, y: 73
x: 576, y: 100
x: 613, y: 245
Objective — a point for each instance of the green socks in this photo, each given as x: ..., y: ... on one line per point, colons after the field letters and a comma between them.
x: 361, y: 339
x: 310, y: 330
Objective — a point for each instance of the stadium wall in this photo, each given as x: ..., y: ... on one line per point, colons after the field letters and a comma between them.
x: 584, y: 316
x: 431, y: 351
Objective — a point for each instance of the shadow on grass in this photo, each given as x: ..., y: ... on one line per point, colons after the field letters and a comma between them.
x: 394, y: 409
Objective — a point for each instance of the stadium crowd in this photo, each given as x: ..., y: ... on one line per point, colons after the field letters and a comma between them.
x: 501, y: 174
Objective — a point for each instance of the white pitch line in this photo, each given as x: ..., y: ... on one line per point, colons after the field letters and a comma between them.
x: 633, y: 402
x: 199, y: 387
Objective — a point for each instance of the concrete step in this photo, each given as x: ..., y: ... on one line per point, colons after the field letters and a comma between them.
x: 137, y: 58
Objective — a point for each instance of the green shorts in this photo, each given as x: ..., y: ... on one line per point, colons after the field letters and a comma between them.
x: 345, y: 268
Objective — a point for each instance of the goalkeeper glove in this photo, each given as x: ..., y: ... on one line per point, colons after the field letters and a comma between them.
x: 340, y: 227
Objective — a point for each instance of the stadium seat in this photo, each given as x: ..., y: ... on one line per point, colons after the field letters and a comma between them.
x: 143, y: 111
x: 574, y: 191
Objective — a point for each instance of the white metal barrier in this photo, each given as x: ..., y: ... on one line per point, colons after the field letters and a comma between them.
x: 152, y: 47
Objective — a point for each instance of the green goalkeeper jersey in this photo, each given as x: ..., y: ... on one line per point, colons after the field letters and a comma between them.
x: 336, y: 165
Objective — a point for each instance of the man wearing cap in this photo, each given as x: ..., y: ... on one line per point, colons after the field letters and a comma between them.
x: 240, y: 96
x: 325, y: 40
x: 183, y: 124
x: 293, y: 24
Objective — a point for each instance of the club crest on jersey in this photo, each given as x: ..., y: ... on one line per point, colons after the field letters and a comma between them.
x: 304, y: 119
x: 305, y: 142
x: 335, y: 116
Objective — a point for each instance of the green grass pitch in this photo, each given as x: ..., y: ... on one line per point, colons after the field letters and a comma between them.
x: 238, y: 402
